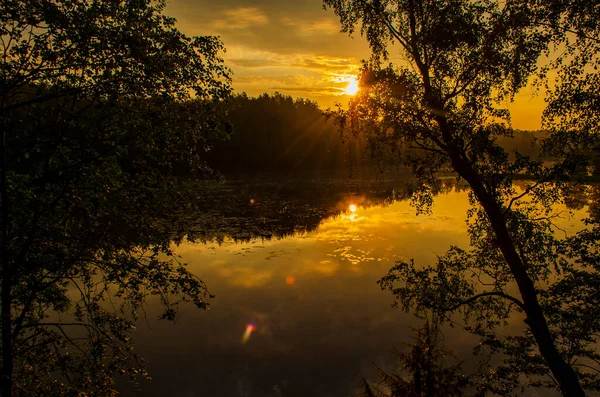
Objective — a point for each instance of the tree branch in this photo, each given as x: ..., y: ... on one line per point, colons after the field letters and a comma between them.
x: 472, y: 299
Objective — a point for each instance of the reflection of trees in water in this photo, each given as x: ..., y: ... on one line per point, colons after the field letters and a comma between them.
x: 246, y: 210
x: 424, y: 368
x: 579, y: 196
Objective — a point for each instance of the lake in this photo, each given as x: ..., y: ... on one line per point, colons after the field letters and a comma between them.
x: 294, y: 269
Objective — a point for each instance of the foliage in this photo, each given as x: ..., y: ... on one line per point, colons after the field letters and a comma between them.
x: 571, y: 116
x: 106, y: 110
x: 276, y: 133
x: 461, y: 61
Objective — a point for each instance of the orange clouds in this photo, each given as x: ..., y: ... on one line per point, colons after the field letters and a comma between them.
x: 240, y: 18
x: 295, y: 48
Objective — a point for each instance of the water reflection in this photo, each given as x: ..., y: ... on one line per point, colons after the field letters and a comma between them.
x: 318, y: 317
x: 300, y: 314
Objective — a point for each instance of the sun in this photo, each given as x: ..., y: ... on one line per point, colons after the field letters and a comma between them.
x: 352, y: 87
x: 352, y: 208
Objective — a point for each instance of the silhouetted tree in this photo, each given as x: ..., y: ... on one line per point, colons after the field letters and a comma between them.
x: 463, y: 60
x: 103, y: 105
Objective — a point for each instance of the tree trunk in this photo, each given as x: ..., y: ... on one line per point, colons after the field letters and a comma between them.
x: 5, y: 273
x: 7, y: 354
x: 562, y: 372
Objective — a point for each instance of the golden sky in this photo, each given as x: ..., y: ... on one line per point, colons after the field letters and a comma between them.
x: 294, y: 47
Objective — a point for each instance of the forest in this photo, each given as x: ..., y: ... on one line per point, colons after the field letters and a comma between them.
x: 279, y: 133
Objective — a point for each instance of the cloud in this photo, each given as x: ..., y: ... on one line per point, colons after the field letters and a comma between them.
x: 324, y: 27
x: 291, y: 46
x: 311, y: 90
x: 256, y: 58
x: 240, y: 18
x: 330, y: 64
x: 290, y: 26
x: 267, y: 81
x: 254, y: 63
x: 297, y: 61
x: 303, y: 83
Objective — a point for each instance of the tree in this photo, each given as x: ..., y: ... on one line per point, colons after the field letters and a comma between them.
x: 461, y: 60
x: 106, y: 111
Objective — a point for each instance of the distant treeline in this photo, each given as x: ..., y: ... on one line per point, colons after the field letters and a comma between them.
x: 524, y: 142
x: 275, y: 133
x: 528, y: 143
x: 279, y: 133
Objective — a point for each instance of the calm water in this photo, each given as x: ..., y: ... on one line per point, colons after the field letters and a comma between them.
x: 320, y: 318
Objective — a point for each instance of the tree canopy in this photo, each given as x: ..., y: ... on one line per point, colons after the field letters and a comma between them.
x: 460, y: 62
x: 106, y: 112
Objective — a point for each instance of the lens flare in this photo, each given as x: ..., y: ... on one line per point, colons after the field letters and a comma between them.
x: 249, y: 329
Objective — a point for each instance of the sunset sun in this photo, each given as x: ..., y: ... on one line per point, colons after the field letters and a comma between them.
x: 352, y: 87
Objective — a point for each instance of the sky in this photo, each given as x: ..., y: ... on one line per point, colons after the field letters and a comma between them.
x: 295, y: 47
x: 291, y: 46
